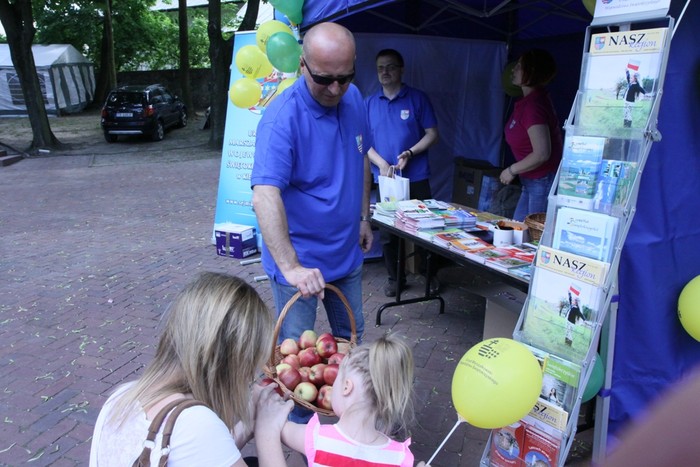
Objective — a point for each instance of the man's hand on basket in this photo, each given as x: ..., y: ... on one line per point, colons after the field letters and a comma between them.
x: 309, y: 281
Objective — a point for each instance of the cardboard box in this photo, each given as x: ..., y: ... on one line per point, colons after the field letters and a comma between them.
x: 503, y: 307
x: 237, y: 241
x: 468, y: 180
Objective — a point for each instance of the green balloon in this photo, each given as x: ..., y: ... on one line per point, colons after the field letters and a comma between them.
x: 283, y: 51
x: 290, y: 8
x: 595, y: 382
x: 507, y: 81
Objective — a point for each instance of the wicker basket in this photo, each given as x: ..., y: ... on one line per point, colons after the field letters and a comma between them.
x: 535, y: 223
x: 276, y: 356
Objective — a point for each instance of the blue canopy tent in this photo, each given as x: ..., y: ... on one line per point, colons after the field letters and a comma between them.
x: 661, y: 254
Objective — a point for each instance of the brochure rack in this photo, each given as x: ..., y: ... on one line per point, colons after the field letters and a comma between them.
x: 570, y: 308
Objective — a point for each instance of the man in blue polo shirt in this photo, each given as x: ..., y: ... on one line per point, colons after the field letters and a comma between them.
x: 311, y: 183
x: 403, y: 127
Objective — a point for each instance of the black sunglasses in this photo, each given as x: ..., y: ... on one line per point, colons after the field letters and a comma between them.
x: 328, y: 80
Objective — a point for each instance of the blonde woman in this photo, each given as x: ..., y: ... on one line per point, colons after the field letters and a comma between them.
x: 373, y: 398
x: 217, y: 335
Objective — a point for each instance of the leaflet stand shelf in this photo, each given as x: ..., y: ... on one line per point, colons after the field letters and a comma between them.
x: 603, y: 187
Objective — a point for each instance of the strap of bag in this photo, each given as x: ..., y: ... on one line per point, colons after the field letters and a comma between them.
x: 393, y: 171
x: 144, y: 460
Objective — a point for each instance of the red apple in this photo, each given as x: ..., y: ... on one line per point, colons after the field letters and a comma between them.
x: 316, y: 375
x: 289, y: 347
x: 324, y: 397
x: 292, y: 360
x: 326, y: 345
x: 324, y: 335
x: 306, y: 391
x: 336, y: 358
x: 330, y: 373
x: 307, y: 339
x: 282, y: 366
x: 304, y: 372
x: 309, y: 357
x: 290, y: 377
x: 268, y: 381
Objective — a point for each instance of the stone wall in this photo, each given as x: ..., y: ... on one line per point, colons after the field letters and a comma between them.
x: 200, y: 82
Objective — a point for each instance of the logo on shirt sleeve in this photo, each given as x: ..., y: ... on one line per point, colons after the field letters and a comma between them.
x: 405, y: 114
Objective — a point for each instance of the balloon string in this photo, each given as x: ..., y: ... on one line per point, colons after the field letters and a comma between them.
x: 459, y: 420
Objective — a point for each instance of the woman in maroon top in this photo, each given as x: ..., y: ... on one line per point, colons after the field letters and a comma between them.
x: 533, y: 133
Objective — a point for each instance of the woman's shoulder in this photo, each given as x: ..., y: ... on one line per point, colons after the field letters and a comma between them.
x: 200, y: 436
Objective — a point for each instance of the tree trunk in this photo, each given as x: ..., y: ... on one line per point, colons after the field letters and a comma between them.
x: 18, y: 23
x: 220, y: 54
x: 107, y: 76
x: 185, y: 88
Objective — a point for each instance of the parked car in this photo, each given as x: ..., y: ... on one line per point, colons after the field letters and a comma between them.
x: 142, y: 110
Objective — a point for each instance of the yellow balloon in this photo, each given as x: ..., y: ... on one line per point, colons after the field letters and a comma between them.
x: 252, y: 62
x: 267, y: 29
x: 689, y: 308
x: 285, y: 84
x: 590, y: 6
x: 496, y: 383
x: 245, y: 93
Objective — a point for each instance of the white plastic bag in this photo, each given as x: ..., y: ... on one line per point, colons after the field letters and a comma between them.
x: 393, y: 187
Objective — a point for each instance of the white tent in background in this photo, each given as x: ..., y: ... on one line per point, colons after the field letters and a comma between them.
x: 66, y: 77
x: 266, y: 12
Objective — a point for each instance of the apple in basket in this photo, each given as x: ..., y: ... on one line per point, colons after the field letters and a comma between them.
x: 306, y: 391
x: 268, y: 381
x: 290, y: 377
x: 330, y: 373
x: 336, y: 358
x: 292, y: 360
x: 281, y: 366
x: 309, y: 357
x: 304, y: 372
x: 289, y: 347
x: 308, y: 339
x: 324, y: 397
x: 316, y: 375
x: 326, y: 345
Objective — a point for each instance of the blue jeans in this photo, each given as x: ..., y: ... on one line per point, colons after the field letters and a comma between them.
x: 302, y: 316
x: 533, y: 197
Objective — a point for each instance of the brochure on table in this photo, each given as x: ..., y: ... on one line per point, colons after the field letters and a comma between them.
x: 590, y: 210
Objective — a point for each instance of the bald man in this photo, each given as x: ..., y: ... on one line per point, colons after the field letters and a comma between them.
x: 311, y: 182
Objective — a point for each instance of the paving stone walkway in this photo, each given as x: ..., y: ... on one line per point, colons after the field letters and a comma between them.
x: 95, y: 243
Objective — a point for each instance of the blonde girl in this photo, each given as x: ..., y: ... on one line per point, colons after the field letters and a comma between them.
x: 216, y: 337
x: 372, y: 396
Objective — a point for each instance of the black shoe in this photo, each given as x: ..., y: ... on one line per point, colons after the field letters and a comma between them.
x: 434, y: 285
x: 390, y: 288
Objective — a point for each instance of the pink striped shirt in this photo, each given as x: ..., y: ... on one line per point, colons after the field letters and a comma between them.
x: 327, y: 446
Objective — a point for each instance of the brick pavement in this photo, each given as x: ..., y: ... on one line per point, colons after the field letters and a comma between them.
x: 94, y: 246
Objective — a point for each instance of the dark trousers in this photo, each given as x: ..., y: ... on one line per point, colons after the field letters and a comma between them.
x: 390, y: 243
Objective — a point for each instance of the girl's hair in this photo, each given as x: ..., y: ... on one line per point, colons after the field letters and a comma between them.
x: 386, y: 370
x: 216, y: 339
x: 538, y: 67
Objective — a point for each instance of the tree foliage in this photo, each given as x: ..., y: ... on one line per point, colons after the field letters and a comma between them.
x: 138, y: 39
x: 143, y: 39
x: 18, y: 21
